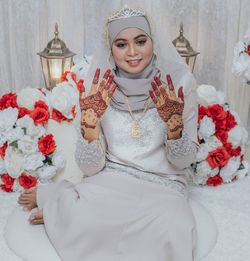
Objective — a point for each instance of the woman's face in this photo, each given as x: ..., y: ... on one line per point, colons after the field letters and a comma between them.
x: 132, y: 50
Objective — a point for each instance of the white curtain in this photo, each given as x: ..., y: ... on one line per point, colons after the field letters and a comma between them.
x: 212, y: 26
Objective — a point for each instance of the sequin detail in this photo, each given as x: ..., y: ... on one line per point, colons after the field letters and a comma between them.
x: 147, y: 176
x: 180, y: 147
x: 88, y: 153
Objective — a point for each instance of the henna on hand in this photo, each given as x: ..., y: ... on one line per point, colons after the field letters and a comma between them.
x: 169, y: 106
x: 93, y: 106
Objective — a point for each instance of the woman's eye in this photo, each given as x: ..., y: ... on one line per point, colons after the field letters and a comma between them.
x: 141, y: 42
x: 120, y: 45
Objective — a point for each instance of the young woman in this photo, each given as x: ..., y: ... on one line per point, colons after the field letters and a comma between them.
x: 137, y: 137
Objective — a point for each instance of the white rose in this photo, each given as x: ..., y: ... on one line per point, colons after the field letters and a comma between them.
x: 63, y: 98
x: 8, y: 118
x: 25, y: 122
x: 46, y: 172
x: 59, y: 160
x: 207, y: 95
x: 202, y: 173
x: 2, y: 166
x: 237, y: 136
x: 207, y: 128
x: 229, y: 171
x: 213, y: 143
x: 28, y: 96
x: 241, y: 173
x: 241, y: 61
x: 202, y: 152
x: 81, y: 67
x: 33, y: 161
x: 27, y: 145
x: 14, y: 134
x: 14, y: 161
x: 31, y: 129
x: 3, y: 139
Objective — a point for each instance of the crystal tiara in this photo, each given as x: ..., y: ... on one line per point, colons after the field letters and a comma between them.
x: 125, y: 12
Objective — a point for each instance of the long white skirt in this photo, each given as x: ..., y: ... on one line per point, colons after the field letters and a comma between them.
x: 112, y: 217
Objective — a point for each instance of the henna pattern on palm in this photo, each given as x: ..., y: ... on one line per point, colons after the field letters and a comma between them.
x: 169, y: 106
x: 94, y: 105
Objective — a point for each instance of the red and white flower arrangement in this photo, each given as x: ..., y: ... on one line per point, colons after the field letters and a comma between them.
x: 222, y: 141
x: 241, y: 60
x: 28, y: 153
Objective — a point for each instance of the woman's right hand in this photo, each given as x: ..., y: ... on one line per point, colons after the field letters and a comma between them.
x: 95, y: 103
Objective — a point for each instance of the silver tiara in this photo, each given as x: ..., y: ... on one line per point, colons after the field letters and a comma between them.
x: 125, y: 12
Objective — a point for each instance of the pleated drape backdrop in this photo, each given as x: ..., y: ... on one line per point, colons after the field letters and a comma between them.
x: 212, y: 26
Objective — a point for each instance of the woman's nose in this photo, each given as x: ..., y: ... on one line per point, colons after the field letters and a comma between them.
x: 132, y: 50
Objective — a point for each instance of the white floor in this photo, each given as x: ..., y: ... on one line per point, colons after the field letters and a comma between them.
x: 229, y: 205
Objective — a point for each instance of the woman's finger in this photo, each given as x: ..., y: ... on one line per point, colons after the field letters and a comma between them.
x: 157, y: 92
x: 111, y: 92
x: 104, y: 80
x: 109, y: 82
x: 180, y: 94
x: 95, y: 81
x: 171, y: 87
x: 81, y: 89
x: 153, y: 97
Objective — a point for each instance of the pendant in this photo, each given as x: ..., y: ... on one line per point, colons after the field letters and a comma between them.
x: 136, y: 130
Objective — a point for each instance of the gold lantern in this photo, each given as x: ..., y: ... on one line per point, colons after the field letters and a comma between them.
x: 184, y: 48
x: 56, y: 58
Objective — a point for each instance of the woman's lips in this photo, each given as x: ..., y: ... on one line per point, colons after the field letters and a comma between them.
x: 134, y: 63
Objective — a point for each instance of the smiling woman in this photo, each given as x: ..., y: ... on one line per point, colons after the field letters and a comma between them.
x: 132, y: 50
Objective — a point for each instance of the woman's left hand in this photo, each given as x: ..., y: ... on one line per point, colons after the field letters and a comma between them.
x: 169, y: 106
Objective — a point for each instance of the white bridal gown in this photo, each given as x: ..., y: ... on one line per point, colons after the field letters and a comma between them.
x: 132, y: 204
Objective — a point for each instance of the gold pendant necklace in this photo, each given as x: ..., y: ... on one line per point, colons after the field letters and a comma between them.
x: 136, y: 128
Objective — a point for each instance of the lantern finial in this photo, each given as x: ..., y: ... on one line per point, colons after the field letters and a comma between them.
x: 56, y: 31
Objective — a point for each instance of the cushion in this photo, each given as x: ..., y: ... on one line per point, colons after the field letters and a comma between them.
x: 65, y: 135
x: 32, y: 244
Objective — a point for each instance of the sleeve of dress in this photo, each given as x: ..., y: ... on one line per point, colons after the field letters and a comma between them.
x: 90, y: 157
x: 182, y: 152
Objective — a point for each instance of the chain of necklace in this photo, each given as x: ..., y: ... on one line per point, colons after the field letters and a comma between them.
x: 136, y: 128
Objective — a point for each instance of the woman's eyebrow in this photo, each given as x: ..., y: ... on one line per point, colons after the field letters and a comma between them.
x: 123, y: 39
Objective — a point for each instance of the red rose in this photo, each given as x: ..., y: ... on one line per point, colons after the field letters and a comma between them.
x: 248, y: 49
x: 8, y: 182
x: 58, y: 116
x: 220, y: 125
x: 222, y: 136
x: 27, y: 181
x: 22, y: 112
x: 3, y: 149
x: 214, y: 181
x: 230, y: 121
x: 40, y: 116
x: 233, y: 152
x: 47, y: 144
x: 218, y: 157
x: 202, y: 111
x: 41, y: 104
x: 64, y: 76
x: 217, y: 112
x: 8, y: 100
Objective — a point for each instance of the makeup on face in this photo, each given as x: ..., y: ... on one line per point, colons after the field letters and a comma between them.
x: 132, y: 50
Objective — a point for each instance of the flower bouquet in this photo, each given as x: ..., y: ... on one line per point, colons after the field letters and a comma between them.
x: 222, y: 141
x: 28, y: 153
